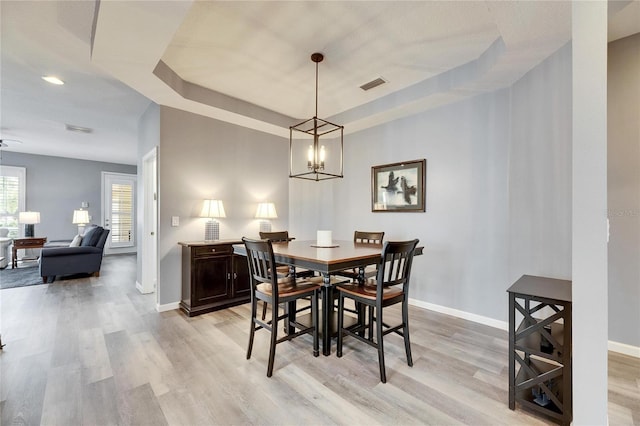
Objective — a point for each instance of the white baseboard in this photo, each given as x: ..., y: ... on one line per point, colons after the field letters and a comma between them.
x: 168, y: 307
x: 622, y: 348
x: 141, y: 289
x: 625, y: 349
x: 502, y: 325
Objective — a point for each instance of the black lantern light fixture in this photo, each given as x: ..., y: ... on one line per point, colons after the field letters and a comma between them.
x: 310, y: 157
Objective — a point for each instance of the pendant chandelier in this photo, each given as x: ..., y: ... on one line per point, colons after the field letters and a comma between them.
x: 316, y: 145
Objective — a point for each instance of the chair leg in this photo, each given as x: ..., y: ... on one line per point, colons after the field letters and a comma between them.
x: 405, y: 333
x: 383, y: 375
x: 274, y: 338
x: 264, y: 310
x: 340, y: 324
x: 370, y: 327
x: 252, y: 332
x: 314, y: 316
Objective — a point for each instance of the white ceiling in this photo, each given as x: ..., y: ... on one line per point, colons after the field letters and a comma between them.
x: 249, y: 62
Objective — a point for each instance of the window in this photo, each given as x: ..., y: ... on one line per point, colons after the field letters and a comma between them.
x: 118, y: 192
x: 121, y: 212
x: 12, y: 198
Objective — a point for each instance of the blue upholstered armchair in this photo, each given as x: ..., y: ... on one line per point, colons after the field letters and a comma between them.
x: 85, y: 258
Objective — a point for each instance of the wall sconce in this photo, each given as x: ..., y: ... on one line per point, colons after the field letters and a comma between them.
x: 265, y: 212
x: 212, y: 209
x: 29, y: 219
x: 80, y: 218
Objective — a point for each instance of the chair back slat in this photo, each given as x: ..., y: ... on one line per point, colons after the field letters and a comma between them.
x: 261, y: 264
x: 364, y: 237
x: 395, y: 267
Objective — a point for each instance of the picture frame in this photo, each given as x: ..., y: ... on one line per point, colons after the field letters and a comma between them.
x: 399, y: 187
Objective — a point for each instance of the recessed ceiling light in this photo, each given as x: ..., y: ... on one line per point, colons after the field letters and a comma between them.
x: 52, y: 79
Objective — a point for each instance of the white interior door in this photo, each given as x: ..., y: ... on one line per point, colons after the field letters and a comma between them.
x: 119, y: 192
x: 149, y: 261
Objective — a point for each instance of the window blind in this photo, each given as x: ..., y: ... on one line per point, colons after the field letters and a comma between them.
x: 121, y: 212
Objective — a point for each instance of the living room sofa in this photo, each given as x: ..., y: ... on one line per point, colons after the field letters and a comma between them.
x: 59, y: 258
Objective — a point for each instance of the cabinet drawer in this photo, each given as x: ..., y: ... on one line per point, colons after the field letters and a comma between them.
x: 212, y: 250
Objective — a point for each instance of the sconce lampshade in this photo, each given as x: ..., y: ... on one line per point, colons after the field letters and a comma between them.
x: 212, y: 209
x: 80, y: 217
x: 29, y: 219
x: 266, y: 211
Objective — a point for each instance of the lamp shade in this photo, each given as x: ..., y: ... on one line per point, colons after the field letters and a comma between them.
x: 212, y: 208
x: 80, y: 217
x: 266, y: 211
x: 29, y: 218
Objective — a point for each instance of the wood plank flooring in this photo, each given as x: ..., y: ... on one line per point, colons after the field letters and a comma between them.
x: 93, y: 351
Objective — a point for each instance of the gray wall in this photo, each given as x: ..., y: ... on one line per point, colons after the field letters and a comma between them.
x: 463, y: 230
x: 540, y: 170
x: 57, y: 186
x: 498, y: 190
x: 202, y: 158
x: 624, y: 189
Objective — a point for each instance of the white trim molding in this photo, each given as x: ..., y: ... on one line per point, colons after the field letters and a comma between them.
x: 491, y: 322
x: 168, y: 307
x: 141, y: 289
x: 622, y: 348
x: 625, y: 349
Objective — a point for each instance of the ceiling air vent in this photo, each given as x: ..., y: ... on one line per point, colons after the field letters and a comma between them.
x: 72, y: 128
x: 373, y: 83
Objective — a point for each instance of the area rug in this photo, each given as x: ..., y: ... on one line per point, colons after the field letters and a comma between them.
x: 19, y: 277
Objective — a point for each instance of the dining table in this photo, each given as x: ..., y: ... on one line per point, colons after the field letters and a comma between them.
x: 327, y: 261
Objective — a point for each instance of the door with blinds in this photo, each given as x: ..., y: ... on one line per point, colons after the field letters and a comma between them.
x: 119, y: 211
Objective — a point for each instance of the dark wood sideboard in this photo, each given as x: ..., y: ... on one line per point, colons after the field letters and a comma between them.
x: 213, y: 277
x: 541, y: 346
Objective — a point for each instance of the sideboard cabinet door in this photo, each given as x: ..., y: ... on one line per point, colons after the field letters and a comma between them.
x: 212, y: 277
x: 209, y: 280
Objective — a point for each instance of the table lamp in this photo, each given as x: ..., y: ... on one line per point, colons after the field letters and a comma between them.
x: 80, y: 218
x: 212, y: 209
x: 265, y: 212
x: 29, y: 219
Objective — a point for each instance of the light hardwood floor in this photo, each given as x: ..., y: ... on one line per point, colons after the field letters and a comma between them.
x: 93, y: 351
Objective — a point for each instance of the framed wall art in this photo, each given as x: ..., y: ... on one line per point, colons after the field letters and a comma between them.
x: 399, y: 187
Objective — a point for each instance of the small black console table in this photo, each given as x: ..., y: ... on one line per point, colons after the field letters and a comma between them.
x: 540, y: 348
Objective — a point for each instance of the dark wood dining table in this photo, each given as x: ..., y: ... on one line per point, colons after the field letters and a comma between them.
x: 327, y: 261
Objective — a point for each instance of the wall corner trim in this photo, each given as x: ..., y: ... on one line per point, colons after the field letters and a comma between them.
x: 167, y: 307
x: 141, y: 289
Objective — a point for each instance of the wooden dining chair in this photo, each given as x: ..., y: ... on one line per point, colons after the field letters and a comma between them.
x: 283, y: 270
x: 363, y: 237
x: 390, y: 287
x: 266, y: 286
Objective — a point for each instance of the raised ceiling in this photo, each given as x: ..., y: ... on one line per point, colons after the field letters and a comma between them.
x: 249, y: 63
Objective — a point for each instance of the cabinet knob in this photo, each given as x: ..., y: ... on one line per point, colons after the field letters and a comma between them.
x: 213, y: 250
